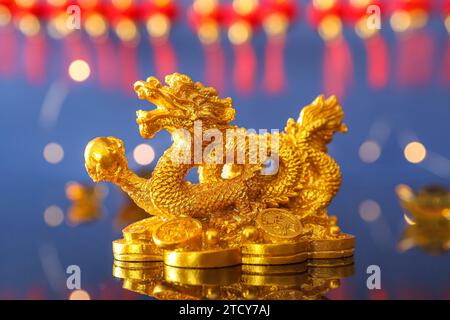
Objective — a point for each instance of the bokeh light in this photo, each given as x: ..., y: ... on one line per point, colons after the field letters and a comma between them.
x: 400, y: 21
x: 369, y: 210
x: 53, y: 153
x: 79, y: 295
x: 53, y: 216
x: 25, y: 3
x: 29, y: 25
x: 79, y: 70
x: 158, y: 25
x: 143, y: 154
x: 5, y: 15
x: 369, y: 151
x: 415, y: 152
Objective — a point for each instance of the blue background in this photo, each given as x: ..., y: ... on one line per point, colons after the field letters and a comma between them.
x: 30, y: 184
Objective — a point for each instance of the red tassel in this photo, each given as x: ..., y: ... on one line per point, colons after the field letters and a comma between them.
x: 414, y: 58
x: 129, y: 67
x: 274, y: 73
x: 377, y: 61
x: 214, y: 65
x: 165, y: 57
x: 446, y: 68
x: 105, y: 59
x: 8, y: 51
x: 35, y: 52
x: 244, y: 68
x: 337, y: 67
x: 74, y: 48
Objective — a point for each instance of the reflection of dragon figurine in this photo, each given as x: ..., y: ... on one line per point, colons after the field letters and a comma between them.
x: 305, y: 183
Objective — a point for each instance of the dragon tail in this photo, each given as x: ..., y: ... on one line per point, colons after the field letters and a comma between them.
x: 318, y: 122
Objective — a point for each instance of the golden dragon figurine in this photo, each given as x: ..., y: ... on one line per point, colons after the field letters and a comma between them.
x: 269, y: 188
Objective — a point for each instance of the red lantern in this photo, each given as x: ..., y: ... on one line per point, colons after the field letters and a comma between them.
x: 35, y: 46
x: 206, y: 18
x: 446, y: 66
x: 8, y: 38
x: 159, y: 16
x: 415, y: 46
x: 241, y: 19
x: 365, y: 17
x: 327, y: 17
x: 97, y: 27
x: 276, y: 17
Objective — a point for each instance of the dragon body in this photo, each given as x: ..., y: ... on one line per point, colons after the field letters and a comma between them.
x: 305, y: 178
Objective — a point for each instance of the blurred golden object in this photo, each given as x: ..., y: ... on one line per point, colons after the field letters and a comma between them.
x: 86, y: 203
x: 276, y: 198
x: 429, y: 221
x: 310, y: 280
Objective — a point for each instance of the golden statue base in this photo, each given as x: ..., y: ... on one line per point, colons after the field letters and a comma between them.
x: 196, y: 249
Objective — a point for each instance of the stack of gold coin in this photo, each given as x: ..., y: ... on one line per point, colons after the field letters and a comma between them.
x: 274, y: 253
x: 137, y: 244
x: 281, y: 231
x: 340, y: 247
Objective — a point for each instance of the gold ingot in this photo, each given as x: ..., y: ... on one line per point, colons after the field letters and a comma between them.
x: 203, y: 259
x: 200, y: 277
x: 275, y: 260
x: 121, y: 247
x: 279, y: 224
x: 275, y: 249
x: 142, y: 230
x: 137, y: 257
x: 179, y: 233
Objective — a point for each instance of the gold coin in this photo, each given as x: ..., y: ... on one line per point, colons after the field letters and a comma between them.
x: 134, y: 264
x: 279, y: 223
x: 344, y: 242
x: 136, y: 258
x: 203, y: 259
x: 274, y: 260
x: 142, y: 230
x: 275, y: 249
x: 121, y: 246
x: 334, y: 254
x: 178, y: 233
x: 275, y: 269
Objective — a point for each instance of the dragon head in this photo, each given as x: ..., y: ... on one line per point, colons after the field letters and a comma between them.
x: 179, y: 104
